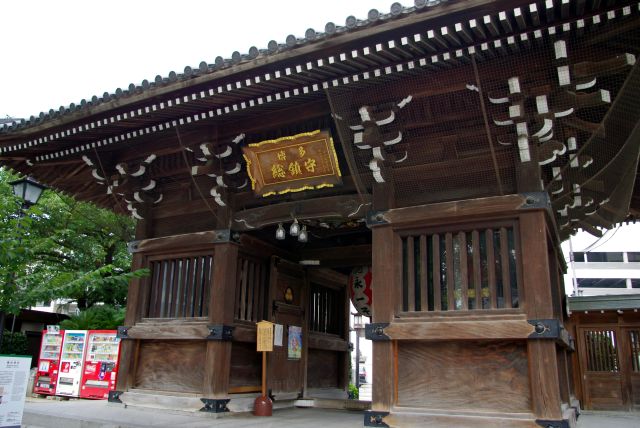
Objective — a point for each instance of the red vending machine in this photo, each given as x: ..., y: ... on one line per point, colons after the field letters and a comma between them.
x: 49, y: 362
x: 100, y: 364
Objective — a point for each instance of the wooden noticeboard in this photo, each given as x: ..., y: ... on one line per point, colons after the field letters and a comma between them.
x: 292, y: 164
x: 264, y: 340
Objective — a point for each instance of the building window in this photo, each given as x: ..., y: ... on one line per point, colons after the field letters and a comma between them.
x: 602, y: 283
x: 611, y: 257
x: 578, y: 257
x: 633, y: 257
x: 635, y: 283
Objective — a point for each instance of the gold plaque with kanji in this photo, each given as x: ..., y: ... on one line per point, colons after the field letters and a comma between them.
x: 292, y: 164
x: 264, y: 339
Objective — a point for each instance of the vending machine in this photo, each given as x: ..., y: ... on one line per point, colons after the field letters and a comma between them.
x: 73, y: 347
x: 49, y: 362
x: 100, y: 364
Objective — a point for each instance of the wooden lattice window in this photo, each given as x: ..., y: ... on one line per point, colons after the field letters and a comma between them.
x: 475, y: 268
x: 326, y: 309
x: 634, y: 342
x: 251, y: 289
x: 180, y: 286
x: 602, y: 351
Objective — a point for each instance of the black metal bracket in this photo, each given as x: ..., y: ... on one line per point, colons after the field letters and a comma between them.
x: 551, y: 329
x: 213, y: 405
x: 220, y: 332
x: 375, y: 419
x: 123, y: 332
x: 375, y: 331
x: 536, y: 200
x: 114, y: 397
x: 564, y: 423
x: 376, y: 218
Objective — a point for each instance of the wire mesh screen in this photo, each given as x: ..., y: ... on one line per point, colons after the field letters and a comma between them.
x: 432, y: 146
x: 555, y: 108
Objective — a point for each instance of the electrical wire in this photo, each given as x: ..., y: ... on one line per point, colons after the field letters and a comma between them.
x: 600, y: 244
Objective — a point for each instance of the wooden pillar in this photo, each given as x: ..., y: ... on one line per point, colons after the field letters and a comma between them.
x: 384, y: 288
x: 221, y: 304
x: 135, y: 308
x: 542, y: 354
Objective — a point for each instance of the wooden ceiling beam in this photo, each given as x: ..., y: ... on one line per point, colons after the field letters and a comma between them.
x: 344, y: 256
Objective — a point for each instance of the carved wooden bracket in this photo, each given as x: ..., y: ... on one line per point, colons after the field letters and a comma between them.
x: 223, y: 163
x: 376, y: 133
x: 132, y: 182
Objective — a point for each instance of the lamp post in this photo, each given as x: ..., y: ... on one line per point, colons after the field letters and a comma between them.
x: 29, y: 192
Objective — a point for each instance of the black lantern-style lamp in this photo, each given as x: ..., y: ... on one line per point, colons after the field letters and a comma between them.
x: 28, y: 190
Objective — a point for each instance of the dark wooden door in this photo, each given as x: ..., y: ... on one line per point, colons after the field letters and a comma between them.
x: 603, y: 375
x: 286, y: 371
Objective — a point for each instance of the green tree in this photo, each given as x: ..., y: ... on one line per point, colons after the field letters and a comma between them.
x: 61, y: 248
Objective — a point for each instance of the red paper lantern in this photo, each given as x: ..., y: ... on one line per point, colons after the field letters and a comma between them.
x: 360, y: 289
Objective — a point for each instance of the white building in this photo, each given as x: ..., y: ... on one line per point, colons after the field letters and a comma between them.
x: 58, y: 306
x: 609, y: 265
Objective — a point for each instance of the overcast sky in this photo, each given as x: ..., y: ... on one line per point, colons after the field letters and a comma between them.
x: 55, y: 52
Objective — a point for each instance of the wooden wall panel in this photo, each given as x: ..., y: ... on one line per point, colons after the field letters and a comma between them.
x: 323, y: 369
x: 605, y: 391
x: 474, y: 376
x: 171, y: 365
x: 246, y: 365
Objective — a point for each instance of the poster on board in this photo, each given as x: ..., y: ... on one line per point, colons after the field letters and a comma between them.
x: 14, y: 377
x: 295, y: 343
x: 278, y: 333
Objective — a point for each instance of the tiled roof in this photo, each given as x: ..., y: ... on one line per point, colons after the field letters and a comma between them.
x: 374, y: 17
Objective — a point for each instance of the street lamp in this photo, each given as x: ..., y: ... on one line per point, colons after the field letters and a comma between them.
x: 29, y: 192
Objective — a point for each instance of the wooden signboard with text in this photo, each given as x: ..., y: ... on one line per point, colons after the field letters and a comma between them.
x: 292, y: 164
x: 264, y: 340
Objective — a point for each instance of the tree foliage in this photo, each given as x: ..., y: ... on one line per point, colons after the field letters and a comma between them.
x: 100, y: 317
x: 61, y: 248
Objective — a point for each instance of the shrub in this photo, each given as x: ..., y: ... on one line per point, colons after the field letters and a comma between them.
x: 14, y: 343
x: 354, y: 394
x: 103, y: 317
